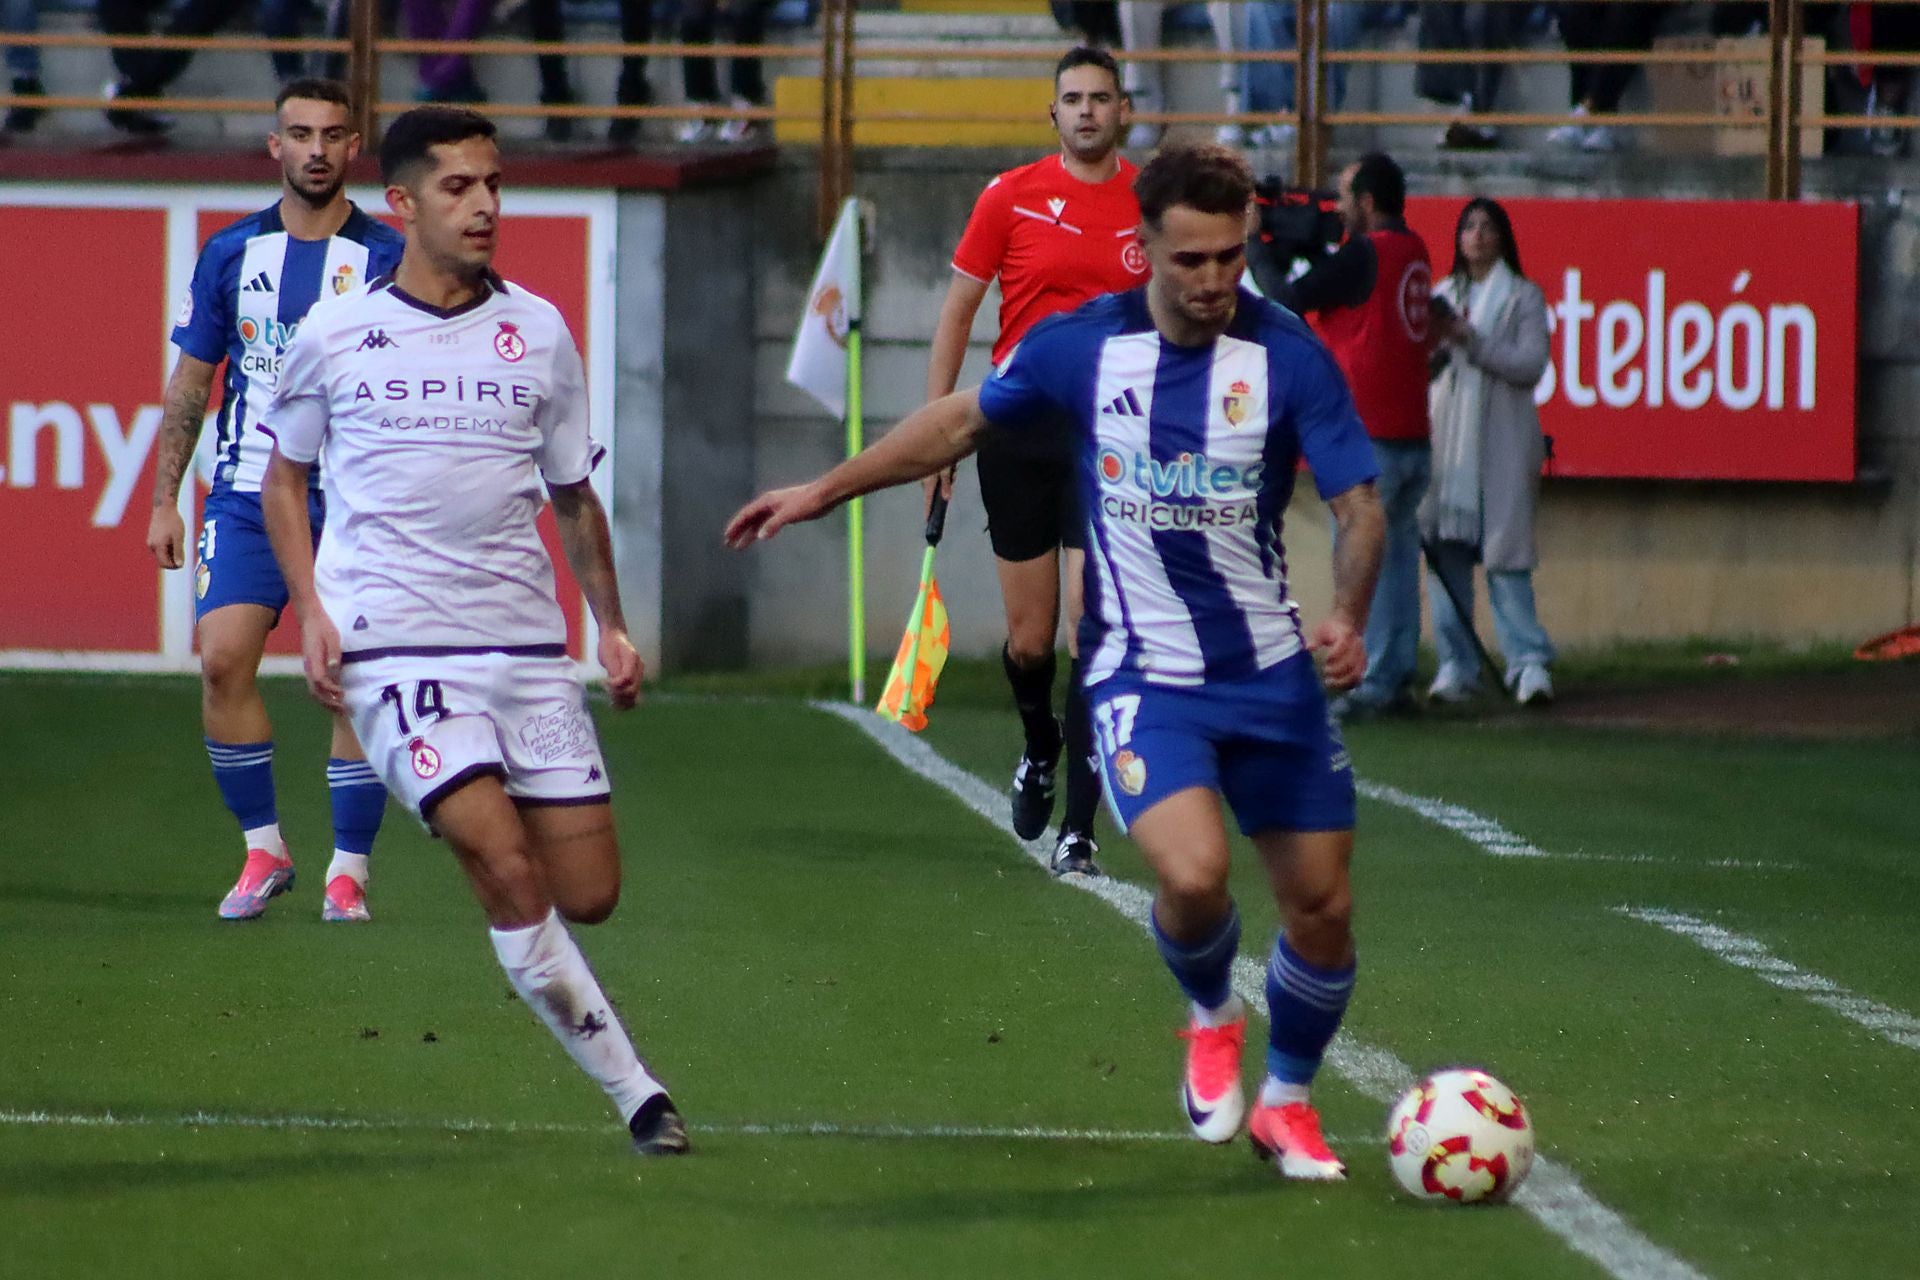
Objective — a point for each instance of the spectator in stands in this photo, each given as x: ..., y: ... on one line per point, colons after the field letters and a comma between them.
x: 747, y: 24
x: 1097, y: 21
x: 449, y: 77
x: 1596, y: 88
x: 23, y: 63
x: 1146, y: 82
x: 1470, y: 88
x: 636, y: 27
x: 1866, y: 87
x: 1269, y: 86
x: 146, y: 73
x: 1490, y: 326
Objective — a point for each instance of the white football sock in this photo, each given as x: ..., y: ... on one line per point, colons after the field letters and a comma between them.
x: 351, y: 865
x: 1232, y: 1011
x: 268, y: 838
x: 1278, y: 1093
x: 551, y: 975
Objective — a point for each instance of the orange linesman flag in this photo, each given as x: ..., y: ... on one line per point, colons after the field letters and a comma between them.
x: 923, y: 653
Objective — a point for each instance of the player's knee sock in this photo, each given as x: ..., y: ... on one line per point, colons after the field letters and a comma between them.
x: 1033, y: 698
x: 359, y: 802
x: 1083, y: 766
x: 1204, y: 967
x: 551, y: 975
x: 244, y: 773
x: 1304, y: 1006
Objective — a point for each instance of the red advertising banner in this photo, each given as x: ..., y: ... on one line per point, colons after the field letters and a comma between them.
x: 79, y: 388
x: 1696, y: 340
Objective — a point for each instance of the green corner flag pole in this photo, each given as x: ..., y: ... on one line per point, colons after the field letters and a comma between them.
x: 856, y: 540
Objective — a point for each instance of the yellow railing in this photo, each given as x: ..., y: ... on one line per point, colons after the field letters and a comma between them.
x: 839, y: 57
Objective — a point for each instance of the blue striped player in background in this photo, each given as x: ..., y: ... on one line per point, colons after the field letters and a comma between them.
x: 251, y: 289
x: 1193, y: 400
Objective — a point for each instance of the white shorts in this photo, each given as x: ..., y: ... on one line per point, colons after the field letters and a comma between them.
x: 430, y: 725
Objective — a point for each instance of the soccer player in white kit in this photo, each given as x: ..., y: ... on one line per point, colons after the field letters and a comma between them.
x: 436, y: 401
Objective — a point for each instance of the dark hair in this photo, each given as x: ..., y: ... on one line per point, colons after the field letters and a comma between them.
x: 1212, y: 179
x: 1378, y: 176
x: 1082, y: 55
x: 1501, y: 223
x: 411, y: 136
x: 314, y: 89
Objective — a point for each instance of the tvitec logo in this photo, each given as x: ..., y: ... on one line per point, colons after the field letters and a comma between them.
x: 256, y: 330
x: 1191, y: 475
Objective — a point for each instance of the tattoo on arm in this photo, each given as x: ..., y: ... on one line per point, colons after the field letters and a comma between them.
x: 588, y: 543
x: 184, y: 412
x: 1358, y: 541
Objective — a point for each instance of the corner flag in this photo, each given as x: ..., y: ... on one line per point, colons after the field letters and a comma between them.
x: 826, y: 365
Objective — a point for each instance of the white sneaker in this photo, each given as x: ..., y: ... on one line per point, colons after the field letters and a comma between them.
x: 736, y: 129
x: 690, y: 131
x: 1143, y: 137
x: 1571, y: 135
x: 1230, y: 135
x: 1600, y: 138
x: 1452, y: 687
x: 1533, y: 686
x: 1274, y: 136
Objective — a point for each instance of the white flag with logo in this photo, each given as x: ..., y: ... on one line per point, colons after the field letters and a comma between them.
x: 819, y: 362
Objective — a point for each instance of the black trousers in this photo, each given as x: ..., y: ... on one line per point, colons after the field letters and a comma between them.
x: 747, y: 23
x: 1619, y: 24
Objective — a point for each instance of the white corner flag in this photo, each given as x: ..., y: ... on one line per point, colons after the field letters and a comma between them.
x: 819, y: 362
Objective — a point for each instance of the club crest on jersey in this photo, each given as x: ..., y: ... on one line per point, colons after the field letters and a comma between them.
x: 1234, y: 403
x: 426, y: 761
x: 202, y: 579
x: 508, y: 344
x: 343, y: 278
x: 1130, y: 772
x: 1134, y: 258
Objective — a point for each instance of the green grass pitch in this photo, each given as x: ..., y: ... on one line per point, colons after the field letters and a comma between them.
x: 811, y: 936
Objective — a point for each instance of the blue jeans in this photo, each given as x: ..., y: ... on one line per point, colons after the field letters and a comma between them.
x: 1268, y: 86
x: 1523, y: 641
x: 1393, y: 627
x: 23, y: 60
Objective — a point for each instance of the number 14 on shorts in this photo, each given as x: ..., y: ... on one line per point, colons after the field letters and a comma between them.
x: 428, y: 703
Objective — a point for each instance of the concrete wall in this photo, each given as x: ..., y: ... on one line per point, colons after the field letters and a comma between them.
x: 1642, y: 560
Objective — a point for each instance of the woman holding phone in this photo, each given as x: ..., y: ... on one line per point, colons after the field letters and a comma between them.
x: 1491, y: 327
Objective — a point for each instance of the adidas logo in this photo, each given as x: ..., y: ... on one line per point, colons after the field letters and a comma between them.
x: 259, y: 284
x: 1126, y: 405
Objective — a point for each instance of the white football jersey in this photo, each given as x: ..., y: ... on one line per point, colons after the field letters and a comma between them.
x: 433, y: 428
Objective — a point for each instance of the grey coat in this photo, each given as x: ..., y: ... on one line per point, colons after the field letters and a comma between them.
x: 1511, y: 446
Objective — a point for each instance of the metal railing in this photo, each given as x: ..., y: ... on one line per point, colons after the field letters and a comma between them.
x: 840, y: 57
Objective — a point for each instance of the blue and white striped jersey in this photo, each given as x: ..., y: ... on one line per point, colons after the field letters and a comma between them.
x: 1186, y: 462
x: 251, y: 289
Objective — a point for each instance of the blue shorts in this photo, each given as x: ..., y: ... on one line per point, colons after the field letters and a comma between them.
x: 236, y: 564
x: 1267, y: 744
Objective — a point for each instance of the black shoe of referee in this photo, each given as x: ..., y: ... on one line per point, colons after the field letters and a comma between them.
x: 657, y: 1128
x: 1032, y: 797
x: 1073, y: 856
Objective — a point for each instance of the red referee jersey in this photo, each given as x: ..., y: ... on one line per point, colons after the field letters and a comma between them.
x: 1053, y: 240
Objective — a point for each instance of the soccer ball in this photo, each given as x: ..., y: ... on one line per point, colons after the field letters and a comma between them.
x: 1460, y: 1135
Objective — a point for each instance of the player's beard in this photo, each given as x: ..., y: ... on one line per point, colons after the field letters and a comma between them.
x: 317, y: 197
x: 1095, y: 149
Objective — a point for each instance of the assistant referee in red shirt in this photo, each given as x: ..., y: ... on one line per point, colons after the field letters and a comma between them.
x: 1055, y: 233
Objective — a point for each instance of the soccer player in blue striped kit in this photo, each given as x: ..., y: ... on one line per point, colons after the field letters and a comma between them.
x: 1193, y: 402
x: 252, y: 287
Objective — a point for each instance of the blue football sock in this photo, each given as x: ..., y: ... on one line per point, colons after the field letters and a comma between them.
x: 244, y: 773
x: 1204, y: 968
x: 359, y: 802
x: 1305, y: 1005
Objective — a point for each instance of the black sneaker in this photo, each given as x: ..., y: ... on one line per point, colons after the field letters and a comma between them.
x: 1032, y: 797
x: 657, y: 1128
x: 1073, y: 856
x: 141, y: 124
x: 21, y: 118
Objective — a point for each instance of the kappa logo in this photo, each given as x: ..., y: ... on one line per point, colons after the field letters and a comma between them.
x: 508, y: 344
x: 1125, y: 405
x: 259, y: 284
x: 376, y: 340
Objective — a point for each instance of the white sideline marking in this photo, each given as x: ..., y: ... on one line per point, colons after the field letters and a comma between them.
x: 352, y: 1124
x: 1494, y: 839
x: 1743, y: 952
x: 1551, y: 1195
